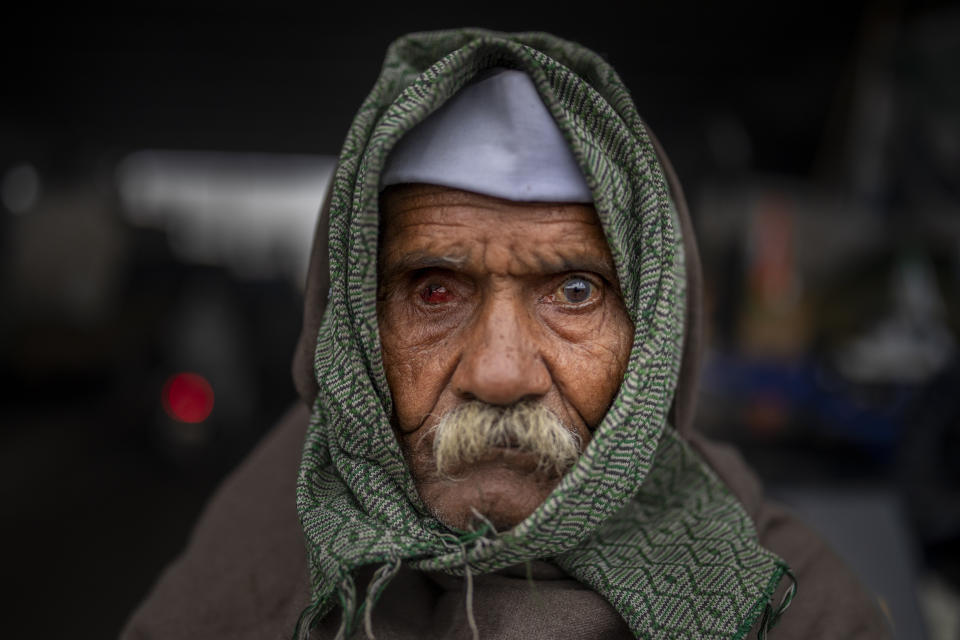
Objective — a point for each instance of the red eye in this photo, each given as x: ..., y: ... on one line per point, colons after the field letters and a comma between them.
x: 435, y: 294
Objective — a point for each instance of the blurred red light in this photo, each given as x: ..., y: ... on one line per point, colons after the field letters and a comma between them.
x: 188, y: 397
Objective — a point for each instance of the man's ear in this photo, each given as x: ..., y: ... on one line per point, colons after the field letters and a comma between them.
x: 315, y: 302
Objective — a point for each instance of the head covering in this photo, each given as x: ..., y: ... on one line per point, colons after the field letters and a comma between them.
x: 494, y: 137
x: 641, y: 519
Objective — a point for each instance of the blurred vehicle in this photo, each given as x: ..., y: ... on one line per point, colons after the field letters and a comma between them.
x: 181, y: 264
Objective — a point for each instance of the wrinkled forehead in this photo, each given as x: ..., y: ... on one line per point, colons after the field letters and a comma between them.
x: 410, y: 205
x: 431, y: 226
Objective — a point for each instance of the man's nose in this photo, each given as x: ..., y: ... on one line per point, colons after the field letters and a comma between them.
x: 501, y: 362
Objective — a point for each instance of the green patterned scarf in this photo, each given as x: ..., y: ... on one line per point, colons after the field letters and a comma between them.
x: 640, y: 519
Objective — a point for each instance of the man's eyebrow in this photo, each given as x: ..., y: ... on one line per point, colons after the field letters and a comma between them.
x: 594, y: 264
x: 421, y: 260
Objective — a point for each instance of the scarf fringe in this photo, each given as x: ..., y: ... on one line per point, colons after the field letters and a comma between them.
x: 770, y: 617
x: 347, y: 592
x: 383, y: 576
x: 468, y: 576
x: 351, y: 614
x: 477, y: 539
x: 306, y: 620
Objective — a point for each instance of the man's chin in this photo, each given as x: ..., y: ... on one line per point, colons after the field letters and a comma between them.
x: 498, y: 491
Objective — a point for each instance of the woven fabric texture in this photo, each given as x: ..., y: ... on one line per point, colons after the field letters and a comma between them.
x: 641, y: 519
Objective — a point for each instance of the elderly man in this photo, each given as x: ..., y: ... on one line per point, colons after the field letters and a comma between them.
x: 501, y: 392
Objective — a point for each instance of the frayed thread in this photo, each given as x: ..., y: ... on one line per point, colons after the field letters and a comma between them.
x: 349, y: 612
x: 306, y: 620
x: 770, y: 617
x: 478, y: 539
x: 378, y: 583
x: 468, y: 574
x: 347, y: 593
x: 532, y: 585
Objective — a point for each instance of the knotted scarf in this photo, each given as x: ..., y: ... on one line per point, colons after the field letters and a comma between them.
x: 640, y: 518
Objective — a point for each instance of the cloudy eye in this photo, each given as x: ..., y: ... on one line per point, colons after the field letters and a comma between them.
x: 576, y: 290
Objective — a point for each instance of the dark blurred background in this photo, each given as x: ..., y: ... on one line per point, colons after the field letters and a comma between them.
x: 160, y: 172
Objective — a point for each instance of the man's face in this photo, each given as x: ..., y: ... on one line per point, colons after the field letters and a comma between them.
x: 484, y: 300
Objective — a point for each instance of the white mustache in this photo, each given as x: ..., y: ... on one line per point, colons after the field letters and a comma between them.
x: 468, y: 432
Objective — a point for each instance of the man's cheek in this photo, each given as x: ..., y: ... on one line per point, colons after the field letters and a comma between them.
x: 591, y: 377
x: 415, y: 381
x: 605, y: 327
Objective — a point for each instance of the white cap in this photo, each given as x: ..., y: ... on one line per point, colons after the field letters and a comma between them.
x: 494, y: 137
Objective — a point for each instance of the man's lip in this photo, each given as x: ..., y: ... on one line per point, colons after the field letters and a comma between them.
x: 512, y: 458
